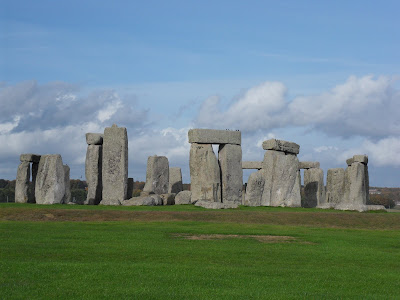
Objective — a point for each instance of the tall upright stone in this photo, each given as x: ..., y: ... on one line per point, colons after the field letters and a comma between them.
x: 254, y: 189
x: 93, y: 174
x: 230, y: 162
x: 205, y: 175
x: 22, y: 182
x: 157, y: 175
x: 335, y: 186
x: 175, y: 180
x: 115, y: 165
x: 67, y: 182
x: 50, y: 181
x: 314, y: 189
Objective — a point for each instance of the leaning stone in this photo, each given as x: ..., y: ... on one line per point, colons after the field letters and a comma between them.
x: 183, y: 197
x: 282, y: 178
x: 115, y: 165
x: 67, y: 195
x: 335, y: 186
x: 252, y: 165
x: 157, y: 175
x: 308, y: 165
x: 314, y: 189
x: 175, y: 180
x: 205, y: 176
x: 152, y: 200
x: 168, y: 199
x: 50, y: 183
x: 35, y: 158
x: 216, y: 205
x: 254, y: 189
x: 230, y: 162
x: 94, y: 138
x: 213, y: 136
x: 93, y: 173
x: 280, y: 145
x: 22, y: 182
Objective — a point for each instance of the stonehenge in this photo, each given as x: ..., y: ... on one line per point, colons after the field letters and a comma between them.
x: 157, y: 175
x: 28, y: 168
x: 314, y: 188
x: 175, y: 180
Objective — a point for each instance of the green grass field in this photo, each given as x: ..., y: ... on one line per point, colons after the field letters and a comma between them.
x: 186, y: 252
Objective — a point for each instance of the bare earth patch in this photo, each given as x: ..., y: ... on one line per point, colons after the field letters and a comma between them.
x: 260, y: 238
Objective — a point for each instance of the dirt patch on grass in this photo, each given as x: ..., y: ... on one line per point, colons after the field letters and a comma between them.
x: 260, y: 238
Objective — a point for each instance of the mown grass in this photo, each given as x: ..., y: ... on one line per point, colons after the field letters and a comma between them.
x: 146, y: 259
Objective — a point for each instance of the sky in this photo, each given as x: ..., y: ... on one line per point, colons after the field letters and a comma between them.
x: 322, y: 74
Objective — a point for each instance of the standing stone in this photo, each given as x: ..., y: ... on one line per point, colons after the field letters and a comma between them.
x: 282, y: 178
x: 335, y: 186
x: 93, y: 174
x: 230, y: 162
x: 254, y: 189
x: 157, y: 175
x: 175, y: 180
x: 50, y: 183
x: 22, y: 182
x: 67, y: 195
x: 355, y: 193
x: 205, y: 176
x: 130, y: 188
x: 314, y: 188
x: 115, y: 165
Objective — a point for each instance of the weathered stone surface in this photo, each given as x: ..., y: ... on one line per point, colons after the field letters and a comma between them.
x: 252, y: 165
x: 216, y: 205
x: 376, y: 207
x: 175, y: 180
x: 355, y: 189
x: 351, y: 206
x: 115, y: 165
x: 157, y: 175
x: 282, y: 177
x: 362, y: 158
x: 308, y: 165
x: 22, y: 182
x: 204, y: 173
x: 29, y: 157
x: 254, y: 189
x: 230, y: 162
x: 335, y: 186
x: 183, y: 197
x: 94, y: 138
x: 168, y: 199
x: 283, y: 146
x: 327, y: 205
x: 152, y: 200
x: 50, y: 183
x: 67, y: 195
x: 93, y: 173
x: 145, y: 194
x: 129, y: 192
x: 213, y: 136
x: 314, y: 189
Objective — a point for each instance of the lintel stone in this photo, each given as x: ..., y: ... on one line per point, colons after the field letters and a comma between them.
x: 280, y: 145
x: 94, y: 138
x: 361, y: 158
x: 214, y: 136
x: 252, y: 165
x: 308, y: 165
x: 29, y: 157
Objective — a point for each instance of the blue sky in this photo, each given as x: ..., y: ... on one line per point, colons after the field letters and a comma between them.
x: 323, y: 74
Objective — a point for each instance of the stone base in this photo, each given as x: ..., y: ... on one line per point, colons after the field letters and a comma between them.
x: 152, y: 200
x: 216, y: 205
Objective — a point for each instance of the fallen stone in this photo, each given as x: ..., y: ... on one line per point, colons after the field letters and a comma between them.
x: 67, y: 195
x: 230, y: 162
x: 254, y: 189
x: 376, y: 207
x: 157, y: 175
x: 29, y: 157
x: 145, y: 194
x: 314, y: 189
x: 94, y: 138
x: 168, y: 199
x: 22, y: 182
x: 213, y: 136
x: 205, y: 176
x: 216, y: 205
x: 175, y: 180
x: 183, y: 197
x: 280, y: 145
x: 115, y: 165
x: 152, y: 200
x: 252, y: 165
x: 335, y: 186
x: 308, y: 165
x: 93, y: 174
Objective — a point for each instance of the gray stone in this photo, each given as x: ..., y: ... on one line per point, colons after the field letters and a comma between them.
x: 362, y: 158
x: 314, y: 189
x: 29, y: 157
x: 376, y: 207
x: 308, y: 165
x: 129, y: 192
x: 216, y: 205
x: 279, y: 145
x: 115, y: 165
x: 230, y: 162
x: 282, y: 177
x: 254, y: 189
x: 157, y: 175
x: 152, y: 200
x: 205, y: 176
x: 183, y: 197
x: 351, y: 206
x: 252, y: 165
x: 145, y: 194
x: 168, y: 199
x: 335, y: 186
x: 326, y: 205
x: 67, y: 183
x: 94, y: 138
x: 213, y: 136
x: 93, y: 173
x: 22, y: 182
x: 175, y: 180
x: 50, y: 183
x: 349, y: 161
x: 355, y: 190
